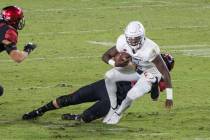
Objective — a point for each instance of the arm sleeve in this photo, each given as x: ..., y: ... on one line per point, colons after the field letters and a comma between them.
x: 153, y: 53
x: 120, y: 43
x: 12, y: 36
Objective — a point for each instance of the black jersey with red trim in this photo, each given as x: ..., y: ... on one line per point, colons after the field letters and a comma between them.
x: 8, y: 33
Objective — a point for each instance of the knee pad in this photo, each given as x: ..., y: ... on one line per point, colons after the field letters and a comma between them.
x: 63, y: 101
x: 1, y: 90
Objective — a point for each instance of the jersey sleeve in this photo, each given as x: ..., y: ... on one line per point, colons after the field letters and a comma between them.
x: 12, y: 36
x: 120, y: 43
x: 153, y: 53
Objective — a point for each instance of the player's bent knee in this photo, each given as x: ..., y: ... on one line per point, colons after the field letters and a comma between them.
x: 139, y: 90
x: 1, y: 90
x: 65, y: 100
x: 88, y: 116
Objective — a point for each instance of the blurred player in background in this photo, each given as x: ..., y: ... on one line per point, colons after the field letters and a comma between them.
x: 150, y: 67
x: 94, y: 92
x: 12, y: 20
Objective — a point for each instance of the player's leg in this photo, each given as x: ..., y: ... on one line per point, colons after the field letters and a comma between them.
x: 111, y: 77
x: 97, y: 110
x: 1, y: 90
x: 142, y: 86
x: 84, y: 94
x: 122, y: 89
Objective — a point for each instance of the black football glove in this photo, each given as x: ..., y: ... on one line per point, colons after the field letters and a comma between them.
x: 29, y: 47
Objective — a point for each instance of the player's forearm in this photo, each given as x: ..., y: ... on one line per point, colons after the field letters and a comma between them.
x: 109, y: 54
x: 106, y: 58
x: 18, y: 56
x: 167, y: 79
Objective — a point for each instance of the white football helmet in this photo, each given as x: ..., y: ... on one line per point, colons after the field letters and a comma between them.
x: 135, y: 35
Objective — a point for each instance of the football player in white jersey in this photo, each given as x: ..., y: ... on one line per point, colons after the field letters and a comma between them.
x: 150, y: 67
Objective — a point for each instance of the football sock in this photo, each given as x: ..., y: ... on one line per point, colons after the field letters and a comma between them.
x: 125, y: 105
x: 47, y: 107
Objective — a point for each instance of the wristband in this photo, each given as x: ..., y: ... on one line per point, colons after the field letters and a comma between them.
x: 169, y: 93
x: 111, y: 62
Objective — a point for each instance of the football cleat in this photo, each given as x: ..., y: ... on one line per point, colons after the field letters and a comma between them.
x: 32, y: 115
x: 75, y: 117
x: 114, y: 119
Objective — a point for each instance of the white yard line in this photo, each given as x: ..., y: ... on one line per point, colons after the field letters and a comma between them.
x: 80, y: 85
x: 54, y: 58
x: 185, y: 46
x: 132, y: 5
x: 65, y: 32
x: 109, y: 44
x: 153, y: 134
x: 104, y: 30
x: 92, y: 8
x: 104, y: 43
x: 205, y: 52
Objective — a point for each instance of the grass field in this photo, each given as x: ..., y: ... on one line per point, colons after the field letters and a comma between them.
x: 73, y: 34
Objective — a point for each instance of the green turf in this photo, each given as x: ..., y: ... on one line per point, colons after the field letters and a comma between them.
x: 65, y: 60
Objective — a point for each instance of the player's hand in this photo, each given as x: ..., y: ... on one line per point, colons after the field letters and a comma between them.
x: 29, y: 47
x: 168, y: 103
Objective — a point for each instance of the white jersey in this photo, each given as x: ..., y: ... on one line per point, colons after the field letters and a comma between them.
x: 144, y: 56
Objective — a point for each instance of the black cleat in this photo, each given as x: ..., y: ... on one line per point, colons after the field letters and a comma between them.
x: 71, y: 117
x: 155, y: 90
x: 32, y: 115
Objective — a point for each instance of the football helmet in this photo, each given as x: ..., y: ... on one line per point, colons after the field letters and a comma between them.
x: 135, y: 35
x: 13, y: 16
x: 169, y: 60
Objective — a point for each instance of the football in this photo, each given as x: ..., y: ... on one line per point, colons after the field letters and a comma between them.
x: 122, y: 59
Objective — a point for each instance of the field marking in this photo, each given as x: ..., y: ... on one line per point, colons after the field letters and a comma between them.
x: 66, y: 32
x: 80, y: 85
x: 191, y: 52
x: 91, y: 8
x: 109, y: 44
x: 104, y: 43
x: 153, y: 134
x: 205, y: 52
x: 53, y: 58
x: 134, y: 5
x: 106, y: 30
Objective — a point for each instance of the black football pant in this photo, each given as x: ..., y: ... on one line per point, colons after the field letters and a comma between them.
x: 95, y: 92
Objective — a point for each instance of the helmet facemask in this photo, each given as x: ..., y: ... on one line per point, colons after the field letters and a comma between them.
x: 135, y: 42
x: 135, y: 35
x: 21, y: 24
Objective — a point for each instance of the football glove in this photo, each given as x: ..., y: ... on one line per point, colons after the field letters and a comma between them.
x: 29, y: 47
